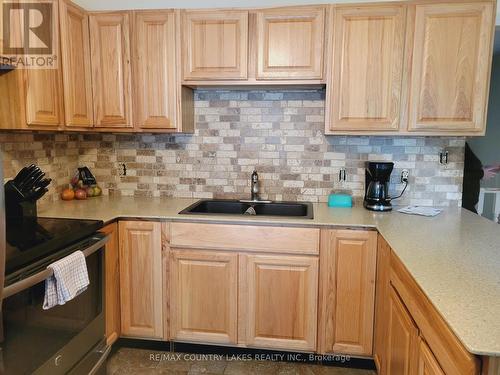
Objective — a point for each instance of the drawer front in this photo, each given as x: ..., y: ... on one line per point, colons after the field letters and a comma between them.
x: 245, y: 238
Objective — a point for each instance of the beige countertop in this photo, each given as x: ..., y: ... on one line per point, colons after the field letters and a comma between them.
x: 454, y: 257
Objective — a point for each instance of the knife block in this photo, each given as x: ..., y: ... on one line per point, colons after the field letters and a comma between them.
x: 18, y: 210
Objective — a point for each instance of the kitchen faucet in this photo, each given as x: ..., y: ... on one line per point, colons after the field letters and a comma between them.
x: 254, y: 187
x: 254, y: 190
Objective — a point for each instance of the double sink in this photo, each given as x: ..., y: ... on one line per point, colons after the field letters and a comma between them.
x: 254, y: 208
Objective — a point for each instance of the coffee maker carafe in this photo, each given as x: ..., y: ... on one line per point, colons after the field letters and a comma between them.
x: 377, y: 176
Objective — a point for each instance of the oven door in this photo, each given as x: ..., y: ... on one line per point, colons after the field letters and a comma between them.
x: 53, y: 341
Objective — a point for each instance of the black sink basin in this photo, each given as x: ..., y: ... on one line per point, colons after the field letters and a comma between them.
x: 234, y: 207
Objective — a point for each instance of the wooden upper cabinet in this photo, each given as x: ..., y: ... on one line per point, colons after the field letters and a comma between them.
x: 290, y: 43
x: 77, y: 79
x: 111, y: 73
x: 141, y: 279
x: 33, y: 97
x: 44, y: 98
x: 347, y: 291
x: 450, y: 70
x: 402, y: 339
x: 215, y: 45
x: 43, y: 91
x: 204, y: 296
x: 365, y: 68
x: 279, y: 296
x: 154, y: 67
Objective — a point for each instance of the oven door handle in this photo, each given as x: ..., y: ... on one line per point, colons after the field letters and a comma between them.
x: 46, y: 273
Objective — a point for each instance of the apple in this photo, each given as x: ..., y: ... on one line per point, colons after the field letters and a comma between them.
x: 67, y: 194
x: 80, y: 194
x: 90, y: 191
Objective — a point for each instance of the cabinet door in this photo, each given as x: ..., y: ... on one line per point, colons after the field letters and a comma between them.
x: 141, y: 279
x: 347, y: 291
x: 382, y: 288
x: 43, y: 93
x: 453, y: 357
x: 204, y: 301
x: 366, y: 68
x: 290, y: 43
x: 44, y: 98
x: 279, y: 296
x: 112, y: 283
x: 427, y: 362
x: 402, y: 339
x: 215, y: 45
x: 110, y: 51
x: 154, y: 68
x: 75, y: 51
x: 450, y: 71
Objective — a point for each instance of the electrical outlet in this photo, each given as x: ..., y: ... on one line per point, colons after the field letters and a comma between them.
x: 342, y: 175
x: 405, y: 174
x: 122, y: 171
x: 443, y: 157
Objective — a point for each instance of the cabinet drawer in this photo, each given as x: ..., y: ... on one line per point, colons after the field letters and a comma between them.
x: 246, y: 238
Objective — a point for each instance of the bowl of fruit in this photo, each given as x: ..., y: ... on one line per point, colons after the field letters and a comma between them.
x: 83, y: 185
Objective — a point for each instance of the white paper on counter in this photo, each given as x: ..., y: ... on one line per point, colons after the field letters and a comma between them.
x: 420, y: 210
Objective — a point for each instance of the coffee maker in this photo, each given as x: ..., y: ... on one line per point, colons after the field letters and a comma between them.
x: 377, y: 176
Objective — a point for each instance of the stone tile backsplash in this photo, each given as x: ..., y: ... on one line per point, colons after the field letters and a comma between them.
x: 279, y: 133
x: 56, y: 154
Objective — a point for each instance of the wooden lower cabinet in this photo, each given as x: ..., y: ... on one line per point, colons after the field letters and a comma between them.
x: 244, y: 285
x: 112, y: 283
x: 402, y: 338
x: 382, y: 294
x: 224, y: 297
x: 411, y: 337
x: 204, y: 296
x: 347, y: 291
x: 427, y: 362
x: 141, y: 279
x: 279, y: 296
x: 207, y: 293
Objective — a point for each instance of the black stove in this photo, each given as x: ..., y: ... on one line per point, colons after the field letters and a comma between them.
x: 33, y: 240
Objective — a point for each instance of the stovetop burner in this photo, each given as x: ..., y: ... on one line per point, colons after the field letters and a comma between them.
x: 32, y: 239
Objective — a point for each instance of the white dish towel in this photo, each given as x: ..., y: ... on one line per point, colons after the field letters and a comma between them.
x: 69, y: 280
